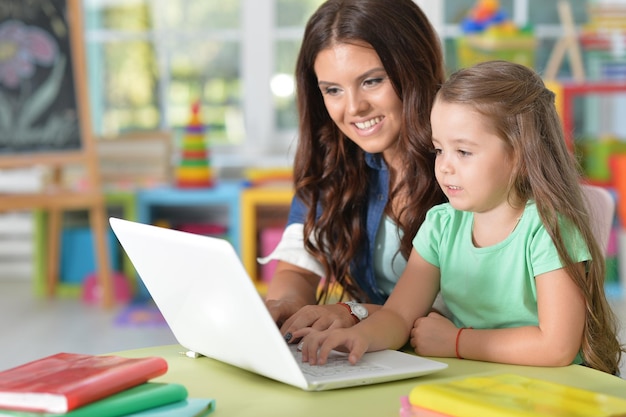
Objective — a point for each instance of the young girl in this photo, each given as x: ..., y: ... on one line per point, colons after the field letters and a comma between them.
x: 512, y: 252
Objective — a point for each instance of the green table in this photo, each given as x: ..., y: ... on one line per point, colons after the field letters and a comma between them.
x: 239, y: 393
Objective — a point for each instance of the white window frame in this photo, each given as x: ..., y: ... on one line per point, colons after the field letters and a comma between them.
x: 262, y: 144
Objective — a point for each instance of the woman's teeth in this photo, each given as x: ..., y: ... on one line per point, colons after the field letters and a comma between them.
x: 369, y: 123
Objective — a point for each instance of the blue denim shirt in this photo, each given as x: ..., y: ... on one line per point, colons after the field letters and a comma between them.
x: 362, y: 267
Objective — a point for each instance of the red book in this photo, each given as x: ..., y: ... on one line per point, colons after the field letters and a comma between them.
x: 65, y: 381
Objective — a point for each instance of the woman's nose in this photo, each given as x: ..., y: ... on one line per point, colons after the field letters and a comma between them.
x: 357, y: 104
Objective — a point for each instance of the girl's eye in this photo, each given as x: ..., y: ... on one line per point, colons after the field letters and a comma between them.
x: 464, y: 153
x: 436, y: 151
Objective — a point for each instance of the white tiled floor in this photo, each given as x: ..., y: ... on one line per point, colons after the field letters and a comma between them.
x: 33, y: 327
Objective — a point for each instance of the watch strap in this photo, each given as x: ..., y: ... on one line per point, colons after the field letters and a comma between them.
x: 354, y: 316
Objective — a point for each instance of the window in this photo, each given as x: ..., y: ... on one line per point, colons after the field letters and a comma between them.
x: 149, y: 60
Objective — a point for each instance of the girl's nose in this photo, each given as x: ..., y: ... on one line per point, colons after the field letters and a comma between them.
x: 442, y: 164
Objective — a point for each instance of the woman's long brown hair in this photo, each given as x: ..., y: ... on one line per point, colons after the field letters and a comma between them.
x: 330, y: 172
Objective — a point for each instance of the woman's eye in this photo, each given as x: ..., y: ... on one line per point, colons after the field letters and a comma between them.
x: 370, y: 82
x: 331, y: 91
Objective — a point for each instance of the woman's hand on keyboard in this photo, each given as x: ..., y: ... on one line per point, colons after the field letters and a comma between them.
x: 316, y: 317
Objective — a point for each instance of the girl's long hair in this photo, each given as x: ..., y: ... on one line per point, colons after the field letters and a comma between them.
x: 330, y: 172
x: 522, y: 109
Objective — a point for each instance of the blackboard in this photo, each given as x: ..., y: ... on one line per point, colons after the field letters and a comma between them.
x: 40, y: 97
x: 44, y: 120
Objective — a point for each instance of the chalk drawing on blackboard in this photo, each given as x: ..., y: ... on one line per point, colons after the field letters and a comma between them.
x: 37, y: 103
x: 44, y: 123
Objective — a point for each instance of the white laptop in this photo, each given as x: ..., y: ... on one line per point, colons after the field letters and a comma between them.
x: 213, y: 308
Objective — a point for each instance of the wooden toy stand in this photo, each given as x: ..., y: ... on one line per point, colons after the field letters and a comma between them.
x: 568, y: 43
x: 55, y: 94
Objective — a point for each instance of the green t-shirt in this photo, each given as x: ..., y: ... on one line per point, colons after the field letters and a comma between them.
x: 491, y: 287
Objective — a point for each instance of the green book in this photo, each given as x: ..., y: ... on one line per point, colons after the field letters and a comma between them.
x: 139, y: 398
x: 191, y: 407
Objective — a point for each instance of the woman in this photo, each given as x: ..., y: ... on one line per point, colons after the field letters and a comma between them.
x: 367, y: 73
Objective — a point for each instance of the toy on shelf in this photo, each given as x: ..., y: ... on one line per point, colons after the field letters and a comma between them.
x: 194, y: 169
x: 489, y: 34
x: 603, y: 41
x: 484, y: 14
x: 596, y: 154
x: 606, y: 27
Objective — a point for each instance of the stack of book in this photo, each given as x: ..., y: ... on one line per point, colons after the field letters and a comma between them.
x: 499, y: 395
x: 81, y: 385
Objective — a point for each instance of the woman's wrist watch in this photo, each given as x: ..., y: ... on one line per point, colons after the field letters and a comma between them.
x: 358, y: 311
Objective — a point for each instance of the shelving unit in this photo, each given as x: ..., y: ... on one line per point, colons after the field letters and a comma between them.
x: 566, y: 93
x: 570, y: 90
x: 242, y: 211
x: 260, y: 205
x: 219, y: 203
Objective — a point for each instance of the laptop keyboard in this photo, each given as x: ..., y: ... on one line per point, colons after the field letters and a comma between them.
x: 336, y: 364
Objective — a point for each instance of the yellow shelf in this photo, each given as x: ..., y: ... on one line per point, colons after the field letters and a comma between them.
x: 251, y: 199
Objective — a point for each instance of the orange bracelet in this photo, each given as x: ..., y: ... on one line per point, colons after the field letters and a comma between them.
x: 456, y: 344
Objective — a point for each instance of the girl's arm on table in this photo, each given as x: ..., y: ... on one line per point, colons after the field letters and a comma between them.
x: 555, y: 342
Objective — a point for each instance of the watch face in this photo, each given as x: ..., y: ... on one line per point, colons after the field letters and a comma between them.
x: 359, y: 310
